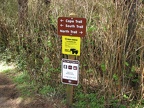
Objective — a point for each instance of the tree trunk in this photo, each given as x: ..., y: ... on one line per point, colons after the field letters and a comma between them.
x: 131, y: 23
x: 23, y: 11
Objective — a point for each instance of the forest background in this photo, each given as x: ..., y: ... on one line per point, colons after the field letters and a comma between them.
x: 112, y: 52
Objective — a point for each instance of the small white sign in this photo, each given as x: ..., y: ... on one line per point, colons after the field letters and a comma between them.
x: 70, y: 71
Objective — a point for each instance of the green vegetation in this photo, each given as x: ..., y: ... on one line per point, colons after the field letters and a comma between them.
x: 88, y: 101
x: 112, y: 53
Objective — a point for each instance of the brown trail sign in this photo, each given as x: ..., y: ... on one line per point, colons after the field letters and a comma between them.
x: 72, y: 26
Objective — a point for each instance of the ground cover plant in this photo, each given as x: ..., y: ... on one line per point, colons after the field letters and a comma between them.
x: 112, y: 58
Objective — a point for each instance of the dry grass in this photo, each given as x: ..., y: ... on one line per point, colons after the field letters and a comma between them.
x: 108, y: 54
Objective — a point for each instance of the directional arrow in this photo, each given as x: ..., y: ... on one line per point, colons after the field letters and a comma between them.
x: 61, y: 25
x: 81, y: 32
x: 61, y: 20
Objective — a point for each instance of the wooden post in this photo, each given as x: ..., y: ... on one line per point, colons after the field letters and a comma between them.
x: 69, y: 89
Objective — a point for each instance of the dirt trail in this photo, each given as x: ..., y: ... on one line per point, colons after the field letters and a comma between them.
x: 10, y: 97
x: 8, y: 93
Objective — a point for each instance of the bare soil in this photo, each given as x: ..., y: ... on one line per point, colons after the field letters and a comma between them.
x: 10, y: 97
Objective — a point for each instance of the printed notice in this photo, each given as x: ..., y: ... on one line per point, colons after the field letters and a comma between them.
x: 70, y: 71
x: 71, y: 45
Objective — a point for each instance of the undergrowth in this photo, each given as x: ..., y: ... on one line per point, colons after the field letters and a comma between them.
x: 112, y: 55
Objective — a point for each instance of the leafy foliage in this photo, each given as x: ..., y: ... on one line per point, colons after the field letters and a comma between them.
x: 111, y: 54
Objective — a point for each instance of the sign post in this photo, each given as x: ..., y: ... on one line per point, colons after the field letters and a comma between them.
x: 71, y: 29
x: 69, y: 89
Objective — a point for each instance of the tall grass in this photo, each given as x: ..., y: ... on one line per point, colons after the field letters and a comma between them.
x: 105, y: 55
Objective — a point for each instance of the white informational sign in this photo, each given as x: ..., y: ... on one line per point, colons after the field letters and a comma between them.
x: 70, y: 71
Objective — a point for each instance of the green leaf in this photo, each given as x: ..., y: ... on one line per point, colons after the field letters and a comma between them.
x: 105, y: 28
x: 135, y: 80
x: 133, y: 69
x: 103, y: 67
x: 46, y: 60
x: 91, y: 28
x: 115, y: 77
x: 126, y: 63
x: 125, y: 96
x: 130, y: 75
x: 49, y: 43
x: 89, y: 71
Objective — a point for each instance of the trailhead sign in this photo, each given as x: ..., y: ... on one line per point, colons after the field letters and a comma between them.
x: 71, y: 45
x: 71, y: 29
x: 68, y: 26
x: 70, y: 71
